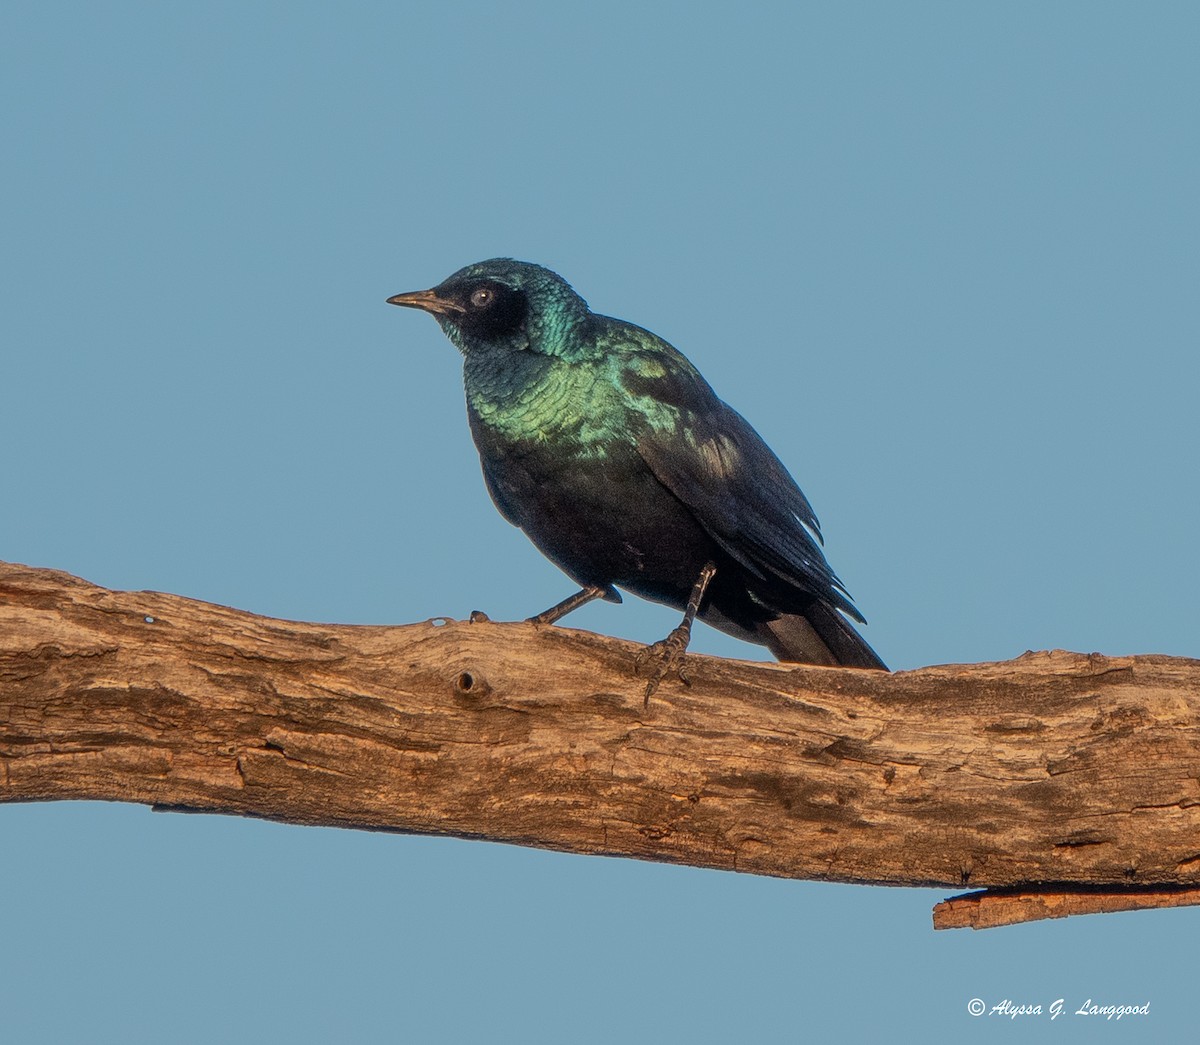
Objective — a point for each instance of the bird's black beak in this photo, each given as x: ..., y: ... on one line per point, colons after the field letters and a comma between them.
x: 427, y: 301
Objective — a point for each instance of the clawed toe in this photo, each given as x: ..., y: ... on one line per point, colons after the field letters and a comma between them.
x: 668, y: 655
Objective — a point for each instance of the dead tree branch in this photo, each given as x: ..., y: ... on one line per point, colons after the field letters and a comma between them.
x: 1056, y: 774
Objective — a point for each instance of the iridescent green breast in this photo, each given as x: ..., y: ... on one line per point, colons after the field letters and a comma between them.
x: 612, y: 389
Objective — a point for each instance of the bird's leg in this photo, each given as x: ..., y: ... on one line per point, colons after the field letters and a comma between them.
x: 560, y: 610
x: 670, y: 650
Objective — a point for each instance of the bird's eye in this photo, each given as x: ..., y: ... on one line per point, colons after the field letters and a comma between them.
x: 483, y: 297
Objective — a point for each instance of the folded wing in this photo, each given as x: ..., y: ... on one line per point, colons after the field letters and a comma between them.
x: 713, y: 461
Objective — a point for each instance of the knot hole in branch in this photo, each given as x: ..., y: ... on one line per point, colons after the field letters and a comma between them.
x: 471, y: 684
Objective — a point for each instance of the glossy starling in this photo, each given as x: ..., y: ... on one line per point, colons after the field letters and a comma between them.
x: 607, y: 447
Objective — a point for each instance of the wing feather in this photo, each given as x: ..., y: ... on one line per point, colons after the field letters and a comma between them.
x: 715, y: 463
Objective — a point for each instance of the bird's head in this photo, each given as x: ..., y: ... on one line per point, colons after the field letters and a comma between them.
x: 503, y: 305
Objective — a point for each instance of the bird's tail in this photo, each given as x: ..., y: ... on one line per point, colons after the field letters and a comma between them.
x: 820, y: 635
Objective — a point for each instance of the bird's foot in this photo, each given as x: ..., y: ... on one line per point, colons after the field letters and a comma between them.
x: 668, y: 654
x: 670, y: 650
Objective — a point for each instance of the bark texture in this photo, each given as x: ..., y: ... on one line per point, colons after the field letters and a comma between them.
x: 989, y: 909
x: 1052, y: 770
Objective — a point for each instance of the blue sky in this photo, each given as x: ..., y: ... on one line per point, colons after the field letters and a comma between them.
x: 942, y: 256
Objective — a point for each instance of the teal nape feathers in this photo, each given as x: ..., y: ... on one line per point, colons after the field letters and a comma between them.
x: 606, y: 446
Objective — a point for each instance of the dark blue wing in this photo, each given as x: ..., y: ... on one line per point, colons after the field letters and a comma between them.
x: 713, y: 461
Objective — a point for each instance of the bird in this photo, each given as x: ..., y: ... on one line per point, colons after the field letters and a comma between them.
x: 606, y: 446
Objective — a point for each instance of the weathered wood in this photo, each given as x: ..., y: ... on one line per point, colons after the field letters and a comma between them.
x: 1051, y: 768
x: 990, y: 909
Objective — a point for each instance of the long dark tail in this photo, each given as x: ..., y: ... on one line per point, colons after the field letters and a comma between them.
x: 820, y: 636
